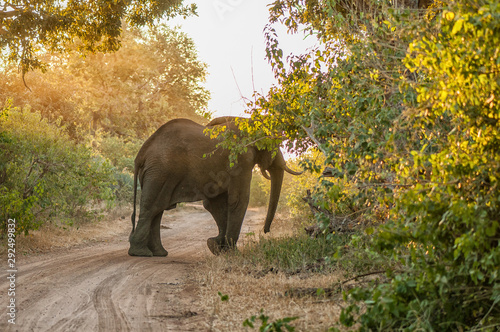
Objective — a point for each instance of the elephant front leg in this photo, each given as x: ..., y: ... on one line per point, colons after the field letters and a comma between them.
x: 238, y: 198
x: 218, y: 208
x: 154, y: 242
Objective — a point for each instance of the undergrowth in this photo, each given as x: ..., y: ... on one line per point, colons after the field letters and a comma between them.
x: 349, y: 254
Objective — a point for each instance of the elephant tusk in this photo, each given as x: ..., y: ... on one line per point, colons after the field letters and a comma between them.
x: 288, y: 170
x: 265, y: 174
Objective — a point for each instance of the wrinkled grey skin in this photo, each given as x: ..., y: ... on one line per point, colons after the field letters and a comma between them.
x: 171, y: 168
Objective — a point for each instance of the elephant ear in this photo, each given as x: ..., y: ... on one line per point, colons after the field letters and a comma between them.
x: 265, y: 158
x: 223, y: 120
x: 229, y: 122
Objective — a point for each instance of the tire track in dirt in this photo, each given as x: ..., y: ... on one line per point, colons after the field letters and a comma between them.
x: 100, y: 288
x: 110, y: 318
x: 40, y: 283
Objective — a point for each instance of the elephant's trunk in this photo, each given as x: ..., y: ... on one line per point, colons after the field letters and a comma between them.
x: 276, y: 182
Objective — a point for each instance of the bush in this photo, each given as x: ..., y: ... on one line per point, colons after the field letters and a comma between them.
x: 121, y: 153
x: 402, y: 101
x: 445, y: 226
x: 46, y: 176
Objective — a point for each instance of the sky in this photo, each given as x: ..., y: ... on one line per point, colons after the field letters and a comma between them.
x: 229, y: 37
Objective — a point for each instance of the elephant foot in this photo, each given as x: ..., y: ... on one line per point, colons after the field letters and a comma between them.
x: 161, y: 252
x: 157, y: 248
x: 140, y: 252
x: 215, y: 247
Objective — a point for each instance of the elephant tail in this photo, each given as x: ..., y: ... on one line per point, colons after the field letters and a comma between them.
x: 135, y: 199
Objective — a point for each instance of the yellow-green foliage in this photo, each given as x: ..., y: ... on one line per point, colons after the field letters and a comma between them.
x: 295, y: 189
x: 402, y: 101
x: 153, y: 78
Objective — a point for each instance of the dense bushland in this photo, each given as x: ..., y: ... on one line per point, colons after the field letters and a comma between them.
x: 45, y: 176
x: 402, y: 101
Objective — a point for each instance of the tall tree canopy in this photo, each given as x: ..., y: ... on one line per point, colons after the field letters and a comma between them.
x: 31, y: 27
x: 154, y: 77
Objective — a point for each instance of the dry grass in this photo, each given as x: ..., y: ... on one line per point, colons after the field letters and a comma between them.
x: 248, y: 294
x: 251, y: 289
x: 50, y: 236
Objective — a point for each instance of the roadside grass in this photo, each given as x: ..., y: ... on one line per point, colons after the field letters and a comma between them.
x: 288, y: 254
x: 289, y: 275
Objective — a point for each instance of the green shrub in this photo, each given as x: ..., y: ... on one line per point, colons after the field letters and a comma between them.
x: 349, y: 253
x: 121, y: 153
x: 446, y: 225
x: 45, y: 176
x: 278, y: 325
x: 402, y: 101
x: 123, y: 187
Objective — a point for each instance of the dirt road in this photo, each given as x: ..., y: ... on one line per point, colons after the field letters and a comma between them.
x: 100, y: 288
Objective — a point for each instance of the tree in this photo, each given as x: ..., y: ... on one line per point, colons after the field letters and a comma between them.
x: 154, y: 77
x: 30, y: 28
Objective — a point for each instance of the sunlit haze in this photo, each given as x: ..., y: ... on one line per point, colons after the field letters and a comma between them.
x: 229, y: 37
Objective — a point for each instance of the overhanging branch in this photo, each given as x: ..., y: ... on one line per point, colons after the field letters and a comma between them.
x: 10, y: 13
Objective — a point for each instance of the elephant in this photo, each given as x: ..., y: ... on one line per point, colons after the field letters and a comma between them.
x: 180, y: 163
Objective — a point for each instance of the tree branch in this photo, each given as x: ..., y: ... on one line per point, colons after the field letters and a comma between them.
x: 7, y: 14
x: 310, y: 133
x: 16, y: 10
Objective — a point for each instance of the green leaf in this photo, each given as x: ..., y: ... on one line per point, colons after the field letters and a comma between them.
x: 223, y: 297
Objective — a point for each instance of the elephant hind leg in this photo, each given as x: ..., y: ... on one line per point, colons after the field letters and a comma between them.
x: 154, y: 242
x: 139, y: 237
x: 155, y: 198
